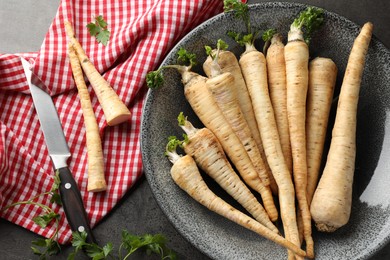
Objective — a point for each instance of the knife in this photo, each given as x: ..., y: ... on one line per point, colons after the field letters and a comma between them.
x: 57, y: 146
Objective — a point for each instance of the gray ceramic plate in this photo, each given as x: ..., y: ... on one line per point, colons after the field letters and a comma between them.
x: 369, y: 226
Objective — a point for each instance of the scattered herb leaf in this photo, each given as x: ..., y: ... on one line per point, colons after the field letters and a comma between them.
x: 130, y: 243
x: 154, y: 79
x: 44, y: 247
x: 98, y: 29
x: 44, y: 220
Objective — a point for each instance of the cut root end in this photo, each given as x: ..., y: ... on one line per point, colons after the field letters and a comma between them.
x: 121, y: 118
x: 97, y: 186
x: 325, y: 227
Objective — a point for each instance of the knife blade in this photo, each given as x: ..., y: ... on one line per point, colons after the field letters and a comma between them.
x: 59, y: 153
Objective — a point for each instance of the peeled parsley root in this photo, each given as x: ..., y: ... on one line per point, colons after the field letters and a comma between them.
x: 332, y: 200
x: 114, y: 109
x: 186, y: 175
x: 254, y: 69
x: 296, y: 54
x: 96, y: 178
x: 208, y: 153
x: 322, y: 81
x: 276, y: 72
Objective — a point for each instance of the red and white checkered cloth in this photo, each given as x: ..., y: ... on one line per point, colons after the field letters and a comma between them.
x: 142, y: 33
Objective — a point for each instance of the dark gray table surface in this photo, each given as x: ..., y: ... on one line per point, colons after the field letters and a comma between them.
x: 23, y: 24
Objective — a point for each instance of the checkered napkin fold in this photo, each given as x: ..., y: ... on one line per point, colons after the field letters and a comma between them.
x: 142, y: 33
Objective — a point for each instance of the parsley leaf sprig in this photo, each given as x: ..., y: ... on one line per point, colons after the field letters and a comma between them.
x: 44, y: 247
x: 309, y: 20
x: 98, y: 29
x: 151, y: 244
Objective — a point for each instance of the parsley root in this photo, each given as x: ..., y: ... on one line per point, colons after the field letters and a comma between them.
x: 296, y: 53
x: 322, y: 81
x: 96, y: 179
x: 114, y: 109
x: 276, y: 72
x: 332, y: 200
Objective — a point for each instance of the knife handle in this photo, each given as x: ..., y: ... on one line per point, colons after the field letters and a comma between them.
x: 73, y: 204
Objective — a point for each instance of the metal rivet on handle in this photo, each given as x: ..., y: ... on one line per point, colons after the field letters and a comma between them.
x: 81, y: 228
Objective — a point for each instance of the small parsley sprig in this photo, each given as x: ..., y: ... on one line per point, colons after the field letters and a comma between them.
x: 215, y: 68
x: 152, y: 244
x: 186, y: 61
x: 98, y: 29
x: 267, y: 37
x: 221, y: 46
x: 240, y: 11
x: 309, y: 20
x: 44, y: 247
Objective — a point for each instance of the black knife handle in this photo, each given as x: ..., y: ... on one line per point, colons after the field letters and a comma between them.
x: 73, y: 204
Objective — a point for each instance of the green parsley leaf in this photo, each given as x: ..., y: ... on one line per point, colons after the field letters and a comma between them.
x: 186, y: 140
x: 130, y: 243
x: 56, y: 198
x: 208, y: 50
x: 39, y: 242
x: 79, y: 239
x: 98, y: 29
x: 154, y: 79
x: 45, y: 219
x: 309, y: 20
x: 186, y: 57
x: 150, y: 243
x: 222, y: 45
x: 181, y: 119
x: 107, y: 249
x: 268, y: 34
x: 36, y: 251
x: 57, y: 182
x: 93, y: 29
x: 239, y: 8
x: 101, y: 22
x: 103, y: 37
x: 95, y: 252
x: 240, y: 11
x: 50, y: 246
